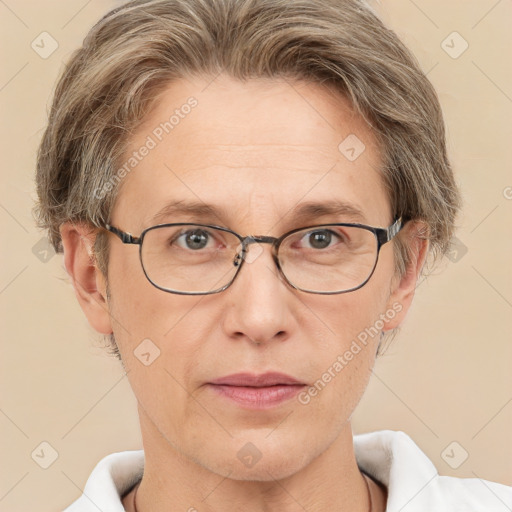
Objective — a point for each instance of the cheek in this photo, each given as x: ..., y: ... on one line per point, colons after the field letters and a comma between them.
x: 152, y: 331
x: 342, y: 318
x: 334, y: 395
x: 342, y: 362
x: 139, y: 310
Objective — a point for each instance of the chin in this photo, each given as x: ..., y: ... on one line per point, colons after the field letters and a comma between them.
x: 260, y: 461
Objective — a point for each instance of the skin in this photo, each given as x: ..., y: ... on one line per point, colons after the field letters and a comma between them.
x: 256, y: 149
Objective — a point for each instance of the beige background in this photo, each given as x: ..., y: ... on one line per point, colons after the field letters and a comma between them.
x: 445, y: 378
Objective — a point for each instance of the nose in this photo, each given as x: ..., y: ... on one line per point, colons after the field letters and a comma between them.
x: 258, y: 301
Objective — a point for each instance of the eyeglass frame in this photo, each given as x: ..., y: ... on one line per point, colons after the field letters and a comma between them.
x: 382, y: 235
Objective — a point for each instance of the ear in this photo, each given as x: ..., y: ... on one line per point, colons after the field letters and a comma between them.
x: 89, y: 283
x: 415, y: 237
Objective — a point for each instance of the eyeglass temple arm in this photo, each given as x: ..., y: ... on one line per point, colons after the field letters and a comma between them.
x: 385, y: 235
x: 126, y: 238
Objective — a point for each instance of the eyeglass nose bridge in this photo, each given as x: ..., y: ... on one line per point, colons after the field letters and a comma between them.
x: 242, y: 255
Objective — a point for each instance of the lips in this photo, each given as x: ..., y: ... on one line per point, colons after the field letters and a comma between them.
x: 258, y: 381
x: 256, y: 392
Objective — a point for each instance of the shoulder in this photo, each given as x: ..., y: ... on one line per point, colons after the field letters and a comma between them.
x: 413, y: 482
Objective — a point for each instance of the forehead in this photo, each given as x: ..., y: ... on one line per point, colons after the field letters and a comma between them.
x: 253, y: 150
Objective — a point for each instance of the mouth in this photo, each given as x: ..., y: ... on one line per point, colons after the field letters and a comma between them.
x: 252, y: 391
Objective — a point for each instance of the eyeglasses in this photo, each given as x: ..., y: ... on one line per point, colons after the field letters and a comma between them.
x: 201, y: 259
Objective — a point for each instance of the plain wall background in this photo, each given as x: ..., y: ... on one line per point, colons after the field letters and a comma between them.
x: 445, y: 378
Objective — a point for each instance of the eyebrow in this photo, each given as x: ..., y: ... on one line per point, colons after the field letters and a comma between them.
x: 333, y: 208
x: 189, y: 208
x: 302, y: 212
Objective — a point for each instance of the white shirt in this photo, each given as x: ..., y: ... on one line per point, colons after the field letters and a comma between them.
x: 390, y: 457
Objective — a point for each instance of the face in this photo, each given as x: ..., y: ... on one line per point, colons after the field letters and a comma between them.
x: 255, y: 152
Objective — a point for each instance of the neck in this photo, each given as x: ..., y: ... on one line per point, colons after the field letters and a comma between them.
x: 332, y: 481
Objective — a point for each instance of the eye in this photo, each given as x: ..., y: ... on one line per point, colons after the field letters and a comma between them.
x: 320, y: 239
x: 195, y: 239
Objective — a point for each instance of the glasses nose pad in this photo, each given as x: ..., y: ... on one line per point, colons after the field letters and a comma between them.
x: 237, y: 260
x: 243, y: 252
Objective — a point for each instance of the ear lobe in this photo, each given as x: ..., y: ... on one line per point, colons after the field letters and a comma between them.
x: 415, y: 236
x: 88, y: 282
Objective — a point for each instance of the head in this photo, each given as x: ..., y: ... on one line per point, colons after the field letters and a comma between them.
x: 249, y: 106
